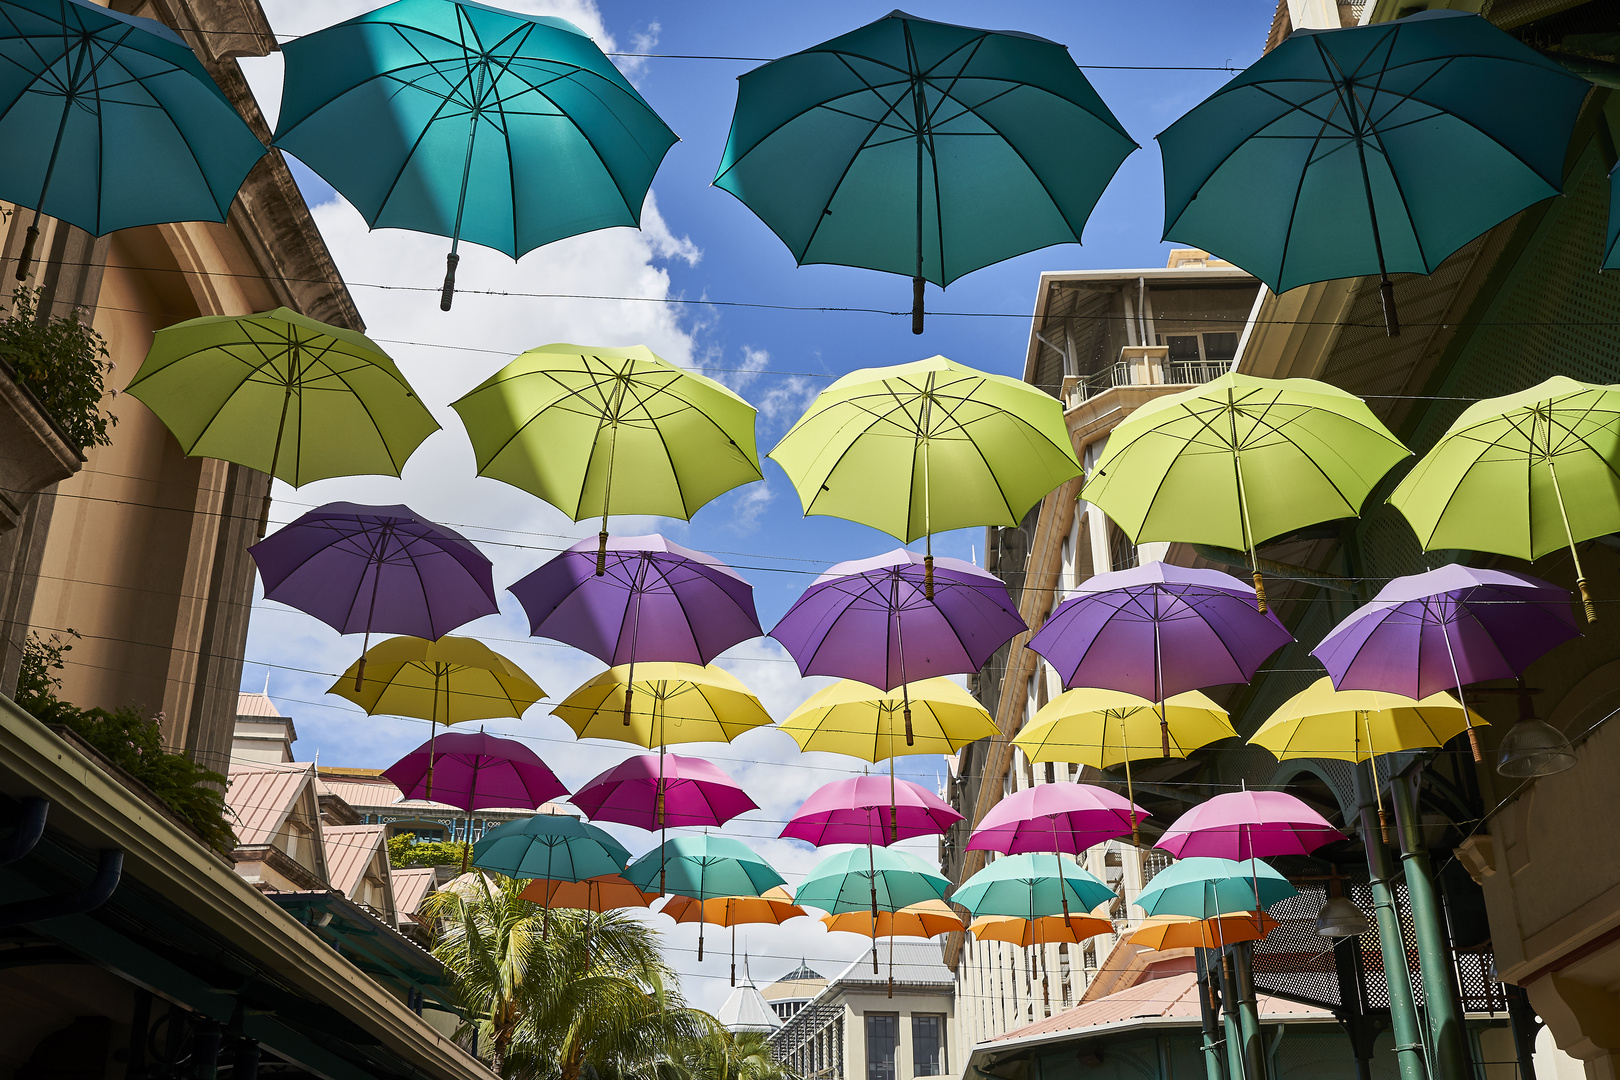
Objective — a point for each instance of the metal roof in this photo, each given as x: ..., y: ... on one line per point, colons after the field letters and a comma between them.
x: 260, y: 798
x: 256, y: 705
x: 745, y: 1010
x: 349, y: 851
x: 916, y: 963
x: 411, y: 887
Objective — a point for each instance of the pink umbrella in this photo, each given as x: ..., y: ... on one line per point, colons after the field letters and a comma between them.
x: 654, y: 791
x: 1054, y: 817
x: 1247, y: 825
x: 870, y: 810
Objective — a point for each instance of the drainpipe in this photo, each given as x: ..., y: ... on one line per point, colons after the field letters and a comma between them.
x: 1271, y: 1051
x: 1206, y: 1011
x: 1254, y: 1047
x: 1446, y: 1029
x: 1397, y: 973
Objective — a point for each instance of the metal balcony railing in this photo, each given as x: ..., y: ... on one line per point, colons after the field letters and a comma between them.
x: 1141, y: 366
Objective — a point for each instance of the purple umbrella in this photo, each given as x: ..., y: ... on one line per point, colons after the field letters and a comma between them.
x: 1060, y: 817
x: 653, y: 791
x: 471, y: 772
x: 376, y: 569
x: 870, y: 810
x: 1158, y: 630
x: 1248, y: 825
x: 1445, y: 629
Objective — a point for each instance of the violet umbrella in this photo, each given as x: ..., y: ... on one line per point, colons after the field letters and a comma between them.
x: 1425, y: 633
x: 643, y: 599
x: 1158, y: 630
x: 874, y: 621
x: 376, y: 569
x: 471, y: 772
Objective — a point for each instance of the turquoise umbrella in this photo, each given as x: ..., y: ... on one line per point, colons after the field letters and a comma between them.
x: 470, y: 122
x: 1379, y: 148
x: 1032, y: 886
x: 703, y: 867
x: 1205, y: 888
x: 558, y: 847
x: 921, y: 148
x: 1611, y: 249
x: 870, y: 879
x: 109, y: 121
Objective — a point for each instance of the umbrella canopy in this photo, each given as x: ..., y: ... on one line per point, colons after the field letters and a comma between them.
x: 774, y: 906
x: 470, y: 122
x: 473, y: 771
x: 1379, y: 148
x: 870, y: 879
x: 1611, y: 247
x: 606, y: 893
x: 596, y: 431
x: 110, y: 121
x: 1358, y: 725
x: 1522, y: 475
x: 1160, y: 932
x: 703, y: 867
x: 921, y: 148
x: 1240, y: 460
x: 922, y: 920
x: 1047, y: 930
x: 654, y: 600
x: 878, y: 444
x: 1106, y: 728
x: 556, y: 847
x: 447, y: 681
x: 1248, y: 825
x: 1061, y: 816
x: 1206, y: 888
x: 1032, y: 886
x: 878, y: 621
x: 284, y: 394
x: 870, y: 810
x: 862, y: 721
x: 673, y: 703
x: 651, y: 791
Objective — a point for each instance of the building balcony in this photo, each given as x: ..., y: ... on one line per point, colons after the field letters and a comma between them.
x: 1141, y: 365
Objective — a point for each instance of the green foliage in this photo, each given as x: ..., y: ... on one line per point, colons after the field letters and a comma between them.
x: 129, y: 739
x: 64, y: 362
x: 407, y: 850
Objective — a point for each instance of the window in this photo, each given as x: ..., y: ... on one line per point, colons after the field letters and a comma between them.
x: 928, y: 1045
x: 882, y: 1036
x: 1183, y: 346
x: 1222, y: 346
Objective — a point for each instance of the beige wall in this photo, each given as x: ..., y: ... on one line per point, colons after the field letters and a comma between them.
x: 857, y: 1005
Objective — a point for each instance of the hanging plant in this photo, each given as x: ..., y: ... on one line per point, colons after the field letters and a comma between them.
x: 63, y: 362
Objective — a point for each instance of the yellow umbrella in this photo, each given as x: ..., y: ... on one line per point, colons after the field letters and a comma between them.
x: 1046, y: 930
x: 862, y: 721
x: 1104, y: 728
x: 774, y: 906
x: 922, y: 920
x: 606, y: 893
x: 673, y: 703
x: 446, y: 681
x: 1185, y: 932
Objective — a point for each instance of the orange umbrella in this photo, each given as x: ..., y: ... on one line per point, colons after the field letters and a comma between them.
x: 1185, y: 932
x: 1047, y: 930
x: 774, y: 906
x: 922, y: 920
x: 603, y: 893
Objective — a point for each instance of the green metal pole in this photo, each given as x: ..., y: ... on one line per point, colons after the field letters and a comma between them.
x: 1398, y: 976
x: 1207, y: 959
x: 1254, y: 1046
x: 1234, y: 1037
x: 1446, y: 1030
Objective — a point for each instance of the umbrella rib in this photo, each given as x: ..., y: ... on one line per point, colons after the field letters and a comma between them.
x: 1394, y: 176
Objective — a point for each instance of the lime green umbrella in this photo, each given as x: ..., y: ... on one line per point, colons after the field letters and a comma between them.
x: 1522, y: 475
x: 927, y: 447
x: 610, y: 431
x: 282, y: 393
x: 1240, y: 460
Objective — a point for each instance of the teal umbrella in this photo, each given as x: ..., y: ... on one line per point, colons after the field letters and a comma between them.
x: 470, y: 122
x: 1032, y: 886
x: 921, y: 148
x: 870, y: 879
x: 558, y: 847
x: 1611, y: 249
x: 1205, y: 888
x: 1379, y: 148
x: 703, y: 867
x: 109, y: 121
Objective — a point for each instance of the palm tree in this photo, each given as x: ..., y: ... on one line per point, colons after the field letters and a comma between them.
x: 741, y: 1056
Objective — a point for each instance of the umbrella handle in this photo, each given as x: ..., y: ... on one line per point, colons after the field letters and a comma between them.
x: 1392, y: 321
x: 447, y: 295
x: 928, y: 576
x: 1260, y: 591
x: 27, y: 257
x: 1586, y: 599
x: 910, y: 738
x: 629, y: 692
x: 916, y: 305
x: 1473, y: 742
x: 601, y: 553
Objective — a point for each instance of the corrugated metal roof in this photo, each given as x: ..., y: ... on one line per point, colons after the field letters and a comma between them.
x: 358, y: 793
x: 915, y: 963
x: 349, y: 849
x: 745, y: 1010
x: 255, y: 705
x: 411, y: 887
x: 261, y: 798
x: 380, y: 794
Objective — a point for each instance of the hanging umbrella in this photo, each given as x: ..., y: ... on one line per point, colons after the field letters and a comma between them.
x: 1379, y: 148
x: 921, y: 148
x: 772, y: 907
x: 610, y: 431
x: 1070, y: 818
x: 1047, y: 930
x: 1105, y: 728
x: 470, y: 122
x: 874, y: 880
x: 1240, y: 825
x: 609, y: 892
x: 1207, y: 888
x: 1241, y: 460
x: 1611, y: 247
x: 1030, y: 886
x: 553, y: 847
x: 652, y: 791
x: 862, y: 721
x: 877, y: 446
x: 447, y: 681
x: 284, y: 394
x: 376, y: 569
x: 675, y: 703
x: 110, y: 121
x: 924, y: 920
x: 1160, y: 932
x: 861, y: 619
x: 1522, y: 475
x: 870, y: 810
x: 703, y: 867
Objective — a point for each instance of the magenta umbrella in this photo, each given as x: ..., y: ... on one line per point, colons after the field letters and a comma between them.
x: 1062, y: 817
x: 1248, y: 825
x: 870, y: 810
x: 654, y: 791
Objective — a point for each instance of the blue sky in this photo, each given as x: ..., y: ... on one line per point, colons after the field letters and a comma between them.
x: 700, y: 244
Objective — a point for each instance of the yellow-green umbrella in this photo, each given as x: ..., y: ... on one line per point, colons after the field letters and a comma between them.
x: 1522, y: 475
x: 1240, y: 460
x: 862, y: 721
x: 927, y: 447
x: 1104, y: 728
x: 596, y: 431
x: 672, y: 703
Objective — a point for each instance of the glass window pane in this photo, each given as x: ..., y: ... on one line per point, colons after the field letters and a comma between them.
x: 1221, y: 346
x: 1183, y: 346
x: 928, y: 1045
x: 882, y: 1036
